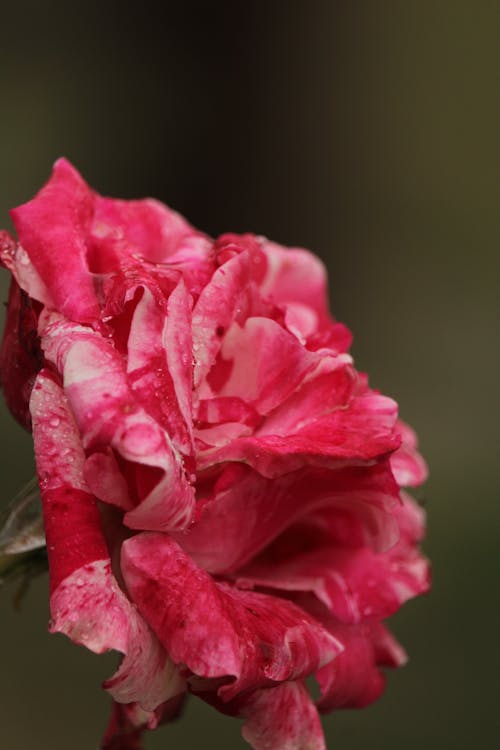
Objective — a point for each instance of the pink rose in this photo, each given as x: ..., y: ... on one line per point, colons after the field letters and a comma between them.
x: 220, y: 486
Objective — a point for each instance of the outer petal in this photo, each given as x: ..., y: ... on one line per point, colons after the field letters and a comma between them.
x: 143, y: 226
x: 330, y: 390
x: 248, y: 511
x: 411, y: 520
x: 362, y: 432
x: 20, y: 355
x: 355, y: 583
x: 15, y: 258
x: 408, y: 465
x: 86, y: 602
x: 108, y: 415
x: 150, y: 233
x: 125, y: 728
x: 52, y: 229
x: 353, y: 680
x: 129, y: 721
x: 245, y: 639
x: 71, y: 234
x: 282, y: 718
x: 294, y: 275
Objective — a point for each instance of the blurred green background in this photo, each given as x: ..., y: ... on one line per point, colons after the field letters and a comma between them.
x: 369, y: 132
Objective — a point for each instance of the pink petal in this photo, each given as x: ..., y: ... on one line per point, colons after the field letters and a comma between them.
x: 17, y: 261
x: 152, y: 234
x: 354, y: 583
x: 103, y: 475
x: 109, y: 416
x: 145, y: 226
x: 301, y: 320
x: 294, y: 275
x: 179, y: 347
x: 268, y: 363
x: 20, y: 354
x: 248, y: 511
x: 408, y: 465
x: 86, y: 602
x: 332, y: 336
x: 128, y: 722
x: 125, y: 728
x: 227, y: 409
x: 282, y: 718
x: 52, y: 229
x: 330, y: 389
x: 411, y: 520
x: 224, y: 297
x: 249, y: 639
x: 159, y: 362
x: 360, y: 433
x: 72, y: 235
x: 353, y: 679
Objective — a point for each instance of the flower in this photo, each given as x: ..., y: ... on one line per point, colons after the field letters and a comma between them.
x: 221, y: 488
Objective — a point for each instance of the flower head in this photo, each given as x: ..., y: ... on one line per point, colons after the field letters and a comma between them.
x: 221, y: 488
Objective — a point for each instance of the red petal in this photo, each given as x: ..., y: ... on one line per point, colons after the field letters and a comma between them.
x: 215, y: 630
x: 295, y: 275
x: 248, y: 511
x: 361, y: 432
x: 159, y: 362
x: 353, y: 679
x: 52, y: 229
x: 128, y: 722
x: 407, y: 464
x: 20, y: 355
x: 86, y: 602
x: 268, y: 363
x: 355, y: 583
x: 109, y: 416
x: 223, y: 298
x: 282, y: 718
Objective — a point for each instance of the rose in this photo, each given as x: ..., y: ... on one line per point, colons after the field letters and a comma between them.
x: 220, y: 486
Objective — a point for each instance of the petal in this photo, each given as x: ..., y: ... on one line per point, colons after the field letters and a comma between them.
x: 330, y: 389
x: 248, y: 511
x: 125, y: 728
x: 216, y: 309
x: 159, y: 361
x: 282, y: 718
x: 72, y: 235
x: 408, y: 465
x: 20, y: 354
x: 294, y: 275
x: 411, y: 520
x: 247, y: 639
x: 17, y: 261
x: 360, y: 433
x: 143, y: 226
x: 267, y: 363
x: 354, y: 583
x: 109, y: 416
x: 52, y: 229
x: 353, y: 679
x: 86, y: 602
x: 179, y: 349
x: 128, y: 721
x: 152, y: 234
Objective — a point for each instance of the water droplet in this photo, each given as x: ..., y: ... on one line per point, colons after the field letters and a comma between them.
x: 54, y: 421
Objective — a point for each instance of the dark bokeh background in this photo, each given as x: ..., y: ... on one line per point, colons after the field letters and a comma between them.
x: 367, y: 131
